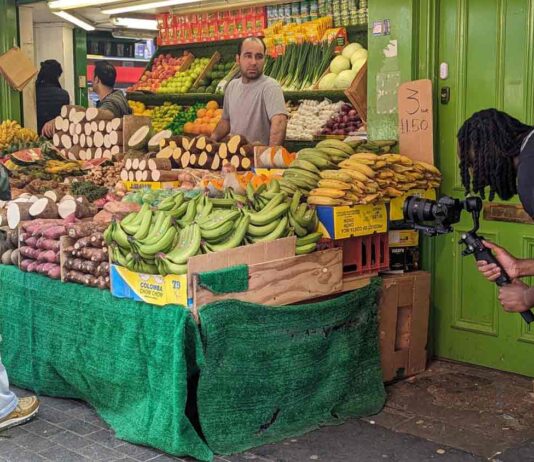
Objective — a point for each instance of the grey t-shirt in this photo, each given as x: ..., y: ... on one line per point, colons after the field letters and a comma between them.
x: 250, y: 107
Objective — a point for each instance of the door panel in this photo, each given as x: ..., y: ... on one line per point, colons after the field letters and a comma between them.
x: 483, y: 42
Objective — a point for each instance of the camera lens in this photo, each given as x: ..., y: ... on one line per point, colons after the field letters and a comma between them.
x: 418, y: 210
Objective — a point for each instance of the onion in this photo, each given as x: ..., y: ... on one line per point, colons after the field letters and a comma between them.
x: 353, y: 113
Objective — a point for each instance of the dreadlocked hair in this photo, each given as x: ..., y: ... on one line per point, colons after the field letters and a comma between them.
x: 488, y: 143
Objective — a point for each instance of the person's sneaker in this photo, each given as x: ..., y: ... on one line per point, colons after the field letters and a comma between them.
x: 25, y: 411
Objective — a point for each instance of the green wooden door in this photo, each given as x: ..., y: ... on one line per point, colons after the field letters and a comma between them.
x: 488, y: 46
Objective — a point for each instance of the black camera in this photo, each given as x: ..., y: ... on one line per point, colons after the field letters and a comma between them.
x: 437, y: 217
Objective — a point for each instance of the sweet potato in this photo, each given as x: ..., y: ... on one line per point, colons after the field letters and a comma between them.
x: 48, y: 256
x: 121, y: 207
x: 54, y: 272
x: 31, y: 241
x: 55, y: 232
x: 29, y: 252
x: 24, y: 264
x: 47, y: 244
x: 32, y: 266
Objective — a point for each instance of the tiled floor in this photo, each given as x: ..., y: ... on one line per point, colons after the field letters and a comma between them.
x: 450, y: 413
x: 70, y: 431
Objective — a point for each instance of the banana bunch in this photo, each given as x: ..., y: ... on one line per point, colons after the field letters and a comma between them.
x: 12, y: 133
x: 303, y: 173
x: 58, y: 166
x: 375, y: 147
x: 161, y: 240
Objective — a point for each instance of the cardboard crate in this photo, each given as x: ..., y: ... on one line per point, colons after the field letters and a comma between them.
x: 342, y: 222
x: 276, y: 277
x: 403, y: 324
x: 362, y: 255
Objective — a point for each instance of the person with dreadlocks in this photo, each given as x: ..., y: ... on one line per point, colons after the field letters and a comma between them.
x: 50, y: 96
x: 497, y: 151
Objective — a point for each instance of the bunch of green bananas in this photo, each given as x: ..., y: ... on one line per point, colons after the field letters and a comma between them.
x: 161, y: 240
x: 304, y: 173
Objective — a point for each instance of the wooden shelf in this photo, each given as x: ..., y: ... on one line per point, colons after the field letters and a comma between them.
x: 152, y: 99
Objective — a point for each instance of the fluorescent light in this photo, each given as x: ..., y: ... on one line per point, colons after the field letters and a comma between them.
x: 136, y: 23
x: 71, y: 4
x: 145, y: 6
x: 74, y: 20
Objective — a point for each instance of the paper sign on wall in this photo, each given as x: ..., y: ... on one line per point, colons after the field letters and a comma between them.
x: 416, y: 130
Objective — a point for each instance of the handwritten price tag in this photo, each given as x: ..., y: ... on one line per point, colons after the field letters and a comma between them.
x: 416, y: 131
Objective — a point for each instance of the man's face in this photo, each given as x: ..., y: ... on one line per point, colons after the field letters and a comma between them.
x: 96, y: 82
x: 252, y: 59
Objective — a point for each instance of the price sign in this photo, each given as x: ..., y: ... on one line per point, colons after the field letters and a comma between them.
x: 416, y: 131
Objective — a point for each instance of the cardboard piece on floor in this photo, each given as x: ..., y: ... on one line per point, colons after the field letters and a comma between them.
x: 416, y: 131
x: 17, y: 69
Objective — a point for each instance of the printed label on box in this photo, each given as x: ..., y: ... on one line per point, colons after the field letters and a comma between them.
x: 148, y: 288
x: 133, y: 185
x: 396, y: 204
x: 352, y: 221
x: 404, y: 238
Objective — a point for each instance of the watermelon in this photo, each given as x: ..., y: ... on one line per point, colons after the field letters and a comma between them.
x: 26, y: 156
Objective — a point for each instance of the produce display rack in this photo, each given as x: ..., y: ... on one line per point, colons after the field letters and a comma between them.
x: 227, y: 50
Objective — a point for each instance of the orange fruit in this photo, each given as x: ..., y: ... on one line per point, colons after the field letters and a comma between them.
x: 219, y: 112
x: 212, y: 105
x: 205, y: 129
x: 201, y: 113
x: 188, y: 127
x: 210, y: 113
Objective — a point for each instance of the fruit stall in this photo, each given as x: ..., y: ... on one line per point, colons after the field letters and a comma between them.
x: 183, y: 286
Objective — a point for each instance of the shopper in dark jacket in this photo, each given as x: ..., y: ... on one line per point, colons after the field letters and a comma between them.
x: 50, y: 96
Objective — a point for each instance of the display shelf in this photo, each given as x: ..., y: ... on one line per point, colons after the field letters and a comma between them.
x: 152, y: 99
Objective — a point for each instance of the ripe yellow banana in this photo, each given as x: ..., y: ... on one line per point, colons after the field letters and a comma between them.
x: 359, y: 167
x: 335, y: 184
x: 327, y: 192
x: 323, y: 200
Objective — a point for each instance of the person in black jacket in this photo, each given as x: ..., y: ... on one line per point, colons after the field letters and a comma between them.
x: 497, y: 152
x: 50, y: 96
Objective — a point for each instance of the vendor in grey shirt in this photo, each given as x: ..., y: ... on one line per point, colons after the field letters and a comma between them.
x: 254, y: 104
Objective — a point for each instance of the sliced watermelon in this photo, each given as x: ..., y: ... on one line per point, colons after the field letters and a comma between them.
x: 89, y: 164
x: 26, y: 156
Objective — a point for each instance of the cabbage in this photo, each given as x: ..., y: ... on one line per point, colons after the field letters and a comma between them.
x: 350, y: 49
x: 339, y: 64
x: 344, y: 79
x: 358, y: 64
x: 358, y: 54
x: 327, y: 82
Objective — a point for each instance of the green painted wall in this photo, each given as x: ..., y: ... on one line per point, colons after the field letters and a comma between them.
x: 10, y: 101
x: 413, y: 29
x: 80, y: 66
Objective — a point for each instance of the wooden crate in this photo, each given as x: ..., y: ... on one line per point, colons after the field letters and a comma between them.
x: 214, y: 60
x: 403, y: 313
x: 357, y: 93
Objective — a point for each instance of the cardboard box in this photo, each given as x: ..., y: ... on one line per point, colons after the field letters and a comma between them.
x: 148, y: 288
x: 405, y: 259
x: 396, y: 204
x: 17, y: 69
x: 342, y: 222
x: 133, y: 185
x: 270, y: 264
x: 403, y: 324
x: 403, y: 238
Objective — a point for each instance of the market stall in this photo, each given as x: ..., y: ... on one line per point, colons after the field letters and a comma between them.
x: 227, y: 284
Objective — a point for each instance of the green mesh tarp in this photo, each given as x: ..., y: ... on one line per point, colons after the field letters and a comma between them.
x: 129, y: 360
x: 272, y: 373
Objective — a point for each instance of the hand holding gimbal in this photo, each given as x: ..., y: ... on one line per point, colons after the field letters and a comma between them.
x: 442, y: 214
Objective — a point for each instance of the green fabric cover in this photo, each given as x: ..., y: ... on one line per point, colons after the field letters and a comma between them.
x: 129, y: 360
x: 272, y: 373
x: 226, y: 280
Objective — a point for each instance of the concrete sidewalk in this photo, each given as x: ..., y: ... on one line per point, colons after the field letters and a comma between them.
x: 449, y: 413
